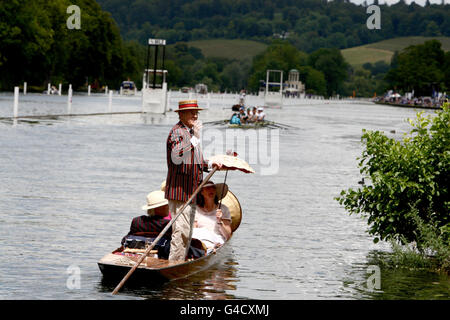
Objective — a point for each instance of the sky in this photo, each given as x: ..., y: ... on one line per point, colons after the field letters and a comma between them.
x: 420, y: 2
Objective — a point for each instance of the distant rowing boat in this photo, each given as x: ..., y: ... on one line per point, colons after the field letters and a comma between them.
x: 252, y: 125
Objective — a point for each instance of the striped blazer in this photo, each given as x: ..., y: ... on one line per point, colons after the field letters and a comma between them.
x: 185, y: 164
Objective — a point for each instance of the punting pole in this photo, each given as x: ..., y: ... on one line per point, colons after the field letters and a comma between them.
x: 163, y: 231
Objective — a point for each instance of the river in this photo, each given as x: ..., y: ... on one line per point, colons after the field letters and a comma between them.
x: 69, y: 188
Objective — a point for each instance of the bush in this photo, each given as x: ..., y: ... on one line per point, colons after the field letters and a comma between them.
x: 406, y: 195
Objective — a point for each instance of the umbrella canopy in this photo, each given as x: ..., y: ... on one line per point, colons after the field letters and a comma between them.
x: 230, y: 162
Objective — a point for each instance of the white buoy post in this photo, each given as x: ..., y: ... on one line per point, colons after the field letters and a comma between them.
x: 110, y: 101
x: 24, y: 88
x: 16, y: 102
x: 106, y: 90
x: 69, y: 100
x: 48, y: 88
x: 121, y: 90
x: 59, y: 89
x: 89, y: 90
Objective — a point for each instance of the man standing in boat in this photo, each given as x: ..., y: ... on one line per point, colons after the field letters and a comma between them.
x: 185, y: 164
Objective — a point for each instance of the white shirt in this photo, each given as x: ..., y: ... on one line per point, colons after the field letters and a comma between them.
x: 209, y: 230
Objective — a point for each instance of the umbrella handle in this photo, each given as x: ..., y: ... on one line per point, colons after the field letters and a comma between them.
x: 221, y: 196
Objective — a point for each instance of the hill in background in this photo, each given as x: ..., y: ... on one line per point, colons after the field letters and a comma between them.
x: 384, y: 50
x: 307, y: 24
x: 229, y: 49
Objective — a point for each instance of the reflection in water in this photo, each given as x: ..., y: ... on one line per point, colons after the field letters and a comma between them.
x: 396, y: 282
x: 211, y: 284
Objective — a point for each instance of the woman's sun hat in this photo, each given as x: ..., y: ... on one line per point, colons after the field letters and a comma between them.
x: 188, y: 105
x: 155, y: 199
x: 221, y: 189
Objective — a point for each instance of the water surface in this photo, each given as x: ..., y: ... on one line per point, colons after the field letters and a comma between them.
x: 69, y: 188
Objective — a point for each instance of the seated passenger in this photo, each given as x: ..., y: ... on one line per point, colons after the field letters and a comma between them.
x: 254, y: 116
x: 212, y: 225
x: 147, y: 227
x: 144, y: 229
x: 153, y: 223
x: 242, y: 115
x: 261, y: 115
x: 235, y: 119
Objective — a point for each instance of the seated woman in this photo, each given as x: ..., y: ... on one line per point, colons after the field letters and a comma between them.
x: 212, y: 225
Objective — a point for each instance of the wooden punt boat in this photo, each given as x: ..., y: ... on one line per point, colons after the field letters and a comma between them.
x: 114, y: 265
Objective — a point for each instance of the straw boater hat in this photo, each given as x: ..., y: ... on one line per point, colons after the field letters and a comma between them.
x: 155, y: 199
x: 188, y: 105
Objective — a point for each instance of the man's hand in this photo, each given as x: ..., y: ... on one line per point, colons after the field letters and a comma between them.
x: 198, y: 125
x: 217, y: 165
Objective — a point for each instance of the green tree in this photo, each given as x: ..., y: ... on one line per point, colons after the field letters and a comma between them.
x: 406, y: 182
x: 418, y: 68
x: 332, y: 64
x: 280, y: 55
x: 314, y: 80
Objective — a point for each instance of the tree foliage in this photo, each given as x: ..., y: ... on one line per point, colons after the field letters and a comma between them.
x: 407, y: 181
x: 419, y: 68
x: 309, y: 24
x: 36, y: 45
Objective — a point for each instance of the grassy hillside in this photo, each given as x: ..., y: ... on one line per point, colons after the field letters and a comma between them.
x: 384, y: 50
x: 230, y: 49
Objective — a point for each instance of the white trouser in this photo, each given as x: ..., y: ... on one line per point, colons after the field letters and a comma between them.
x: 181, y: 229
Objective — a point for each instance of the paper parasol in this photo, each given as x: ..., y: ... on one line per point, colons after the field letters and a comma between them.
x: 232, y: 163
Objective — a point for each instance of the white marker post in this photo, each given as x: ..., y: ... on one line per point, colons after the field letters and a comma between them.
x: 89, y: 90
x: 48, y: 88
x: 24, y: 88
x: 16, y: 102
x: 69, y: 100
x: 110, y: 101
x: 59, y: 89
x: 106, y: 90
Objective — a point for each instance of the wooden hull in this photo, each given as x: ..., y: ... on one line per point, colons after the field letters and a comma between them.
x: 153, y: 270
